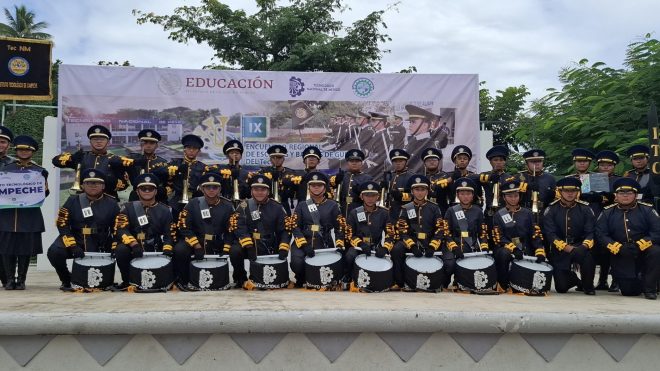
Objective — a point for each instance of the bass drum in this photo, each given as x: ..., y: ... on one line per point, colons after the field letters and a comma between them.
x: 93, y: 271
x: 529, y: 277
x: 424, y: 274
x: 373, y: 274
x: 476, y: 274
x: 151, y: 273
x: 324, y: 270
x: 269, y: 272
x: 209, y: 274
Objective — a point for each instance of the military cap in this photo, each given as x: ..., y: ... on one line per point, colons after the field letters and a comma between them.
x: 146, y: 179
x: 626, y: 184
x: 210, y: 178
x: 363, y: 115
x: 25, y: 142
x: 397, y: 117
x: 312, y: 151
x: 638, y: 150
x: 465, y: 184
x: 377, y: 116
x: 232, y: 145
x: 6, y: 133
x: 497, y: 151
x: 369, y: 187
x: 98, y: 131
x: 582, y: 154
x: 259, y: 181
x: 92, y: 175
x: 276, y: 150
x: 354, y: 154
x: 607, y: 156
x: 569, y: 183
x: 461, y: 150
x: 418, y: 180
x: 149, y: 135
x: 415, y: 112
x: 431, y: 152
x: 399, y: 154
x: 192, y: 140
x: 510, y: 184
x: 316, y: 177
x: 534, y: 154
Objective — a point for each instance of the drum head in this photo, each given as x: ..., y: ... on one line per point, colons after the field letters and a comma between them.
x: 424, y: 265
x: 476, y: 262
x: 208, y: 263
x: 541, y: 267
x: 94, y: 261
x: 150, y: 262
x: 373, y: 263
x: 269, y: 260
x: 323, y: 258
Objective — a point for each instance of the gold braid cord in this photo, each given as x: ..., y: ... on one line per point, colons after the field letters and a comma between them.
x: 233, y: 223
x: 290, y: 222
x: 484, y: 232
x: 173, y: 231
x: 348, y: 234
x: 402, y: 226
x: 182, y: 219
x: 391, y: 232
x: 537, y: 232
x: 440, y: 225
x: 62, y: 217
x: 121, y: 221
x: 497, y: 236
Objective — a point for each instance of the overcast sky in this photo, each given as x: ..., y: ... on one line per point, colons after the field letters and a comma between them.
x: 505, y: 42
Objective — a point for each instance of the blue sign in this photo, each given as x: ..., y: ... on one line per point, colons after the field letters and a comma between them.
x: 254, y: 128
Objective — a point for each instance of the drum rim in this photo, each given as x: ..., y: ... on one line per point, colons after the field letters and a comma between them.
x: 487, y: 257
x: 214, y: 260
x: 153, y: 257
x: 360, y: 258
x: 440, y: 262
x: 544, y: 264
x: 335, y: 253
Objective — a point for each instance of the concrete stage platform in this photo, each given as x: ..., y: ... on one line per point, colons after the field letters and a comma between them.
x: 45, y: 329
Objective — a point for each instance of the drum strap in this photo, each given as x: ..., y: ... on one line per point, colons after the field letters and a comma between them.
x: 254, y: 211
x: 461, y: 218
x: 140, y: 215
x: 207, y: 223
x: 316, y: 217
x: 413, y: 219
x: 508, y: 221
x: 86, y: 208
x: 363, y: 227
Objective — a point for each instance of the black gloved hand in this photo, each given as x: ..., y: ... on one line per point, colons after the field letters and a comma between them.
x: 494, y: 178
x: 112, y: 254
x: 517, y: 253
x: 383, y: 184
x: 235, y: 174
x: 199, y: 253
x: 458, y: 253
x: 252, y: 253
x: 309, y: 250
x: 168, y: 252
x: 283, y: 254
x: 429, y: 252
x: 183, y: 168
x: 339, y: 176
x: 417, y: 252
x: 381, y: 252
x: 140, y: 162
x: 396, y: 194
x: 456, y: 174
x: 540, y: 258
x: 137, y: 251
x: 77, y: 156
x: 77, y: 252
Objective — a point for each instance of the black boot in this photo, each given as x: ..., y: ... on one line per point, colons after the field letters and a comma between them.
x: 23, y: 265
x: 602, y: 281
x: 9, y: 263
x: 3, y: 275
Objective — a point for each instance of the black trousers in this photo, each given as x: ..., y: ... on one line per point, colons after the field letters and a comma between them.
x: 637, y: 271
x: 349, y: 263
x: 237, y: 256
x: 57, y: 256
x: 298, y: 264
x: 398, y: 255
x: 562, y: 274
x: 503, y: 260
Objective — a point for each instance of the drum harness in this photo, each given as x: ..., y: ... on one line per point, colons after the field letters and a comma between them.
x: 88, y: 216
x: 259, y: 235
x: 316, y: 219
x: 463, y: 226
x: 143, y: 227
x: 363, y: 229
x: 415, y: 224
x: 510, y: 225
x: 207, y: 225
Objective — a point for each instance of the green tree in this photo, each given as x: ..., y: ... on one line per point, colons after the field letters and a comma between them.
x: 22, y: 25
x: 303, y: 36
x: 502, y: 113
x: 599, y: 107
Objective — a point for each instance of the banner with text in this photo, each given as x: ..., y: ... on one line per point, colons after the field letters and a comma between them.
x: 25, y: 69
x: 22, y: 189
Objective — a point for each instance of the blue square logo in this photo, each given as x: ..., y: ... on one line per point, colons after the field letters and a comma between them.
x: 254, y: 128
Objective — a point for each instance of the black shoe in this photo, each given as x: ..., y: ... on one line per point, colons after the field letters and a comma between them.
x: 19, y: 285
x: 238, y: 284
x: 614, y: 287
x: 182, y: 286
x: 11, y: 285
x: 590, y: 292
x: 602, y: 285
x: 120, y: 286
x: 298, y: 285
x: 66, y: 287
x: 651, y: 295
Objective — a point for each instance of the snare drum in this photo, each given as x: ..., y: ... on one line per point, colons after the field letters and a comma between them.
x: 324, y: 270
x: 529, y: 277
x: 94, y: 271
x: 269, y: 272
x: 476, y: 274
x: 372, y: 274
x: 424, y: 274
x: 212, y: 273
x: 152, y: 273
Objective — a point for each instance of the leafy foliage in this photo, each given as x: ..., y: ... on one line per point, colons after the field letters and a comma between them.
x: 21, y: 24
x: 502, y: 113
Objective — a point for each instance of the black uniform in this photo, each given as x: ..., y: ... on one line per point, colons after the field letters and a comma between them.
x: 256, y: 236
x: 348, y: 200
x: 517, y: 235
x: 178, y: 170
x: 314, y: 231
x: 79, y: 234
x: 154, y: 235
x: 574, y: 225
x: 20, y: 233
x: 114, y: 167
x: 396, y: 182
x: 364, y: 234
x: 142, y: 165
x: 209, y: 229
x: 418, y: 230
x: 542, y: 183
x: 440, y: 188
x: 632, y: 235
x: 229, y: 174
x: 487, y: 180
x: 277, y: 177
x: 4, y: 160
x: 464, y: 230
x: 644, y: 180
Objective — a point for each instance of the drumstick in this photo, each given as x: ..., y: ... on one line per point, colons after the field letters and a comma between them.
x: 529, y: 258
x: 101, y: 254
x: 437, y: 253
x: 152, y: 253
x: 479, y: 253
x: 331, y: 249
x: 216, y: 256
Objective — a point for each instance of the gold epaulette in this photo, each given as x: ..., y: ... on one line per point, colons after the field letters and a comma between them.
x: 645, y: 203
x: 555, y: 201
x: 581, y: 202
x: 225, y: 199
x: 431, y: 202
x: 609, y: 206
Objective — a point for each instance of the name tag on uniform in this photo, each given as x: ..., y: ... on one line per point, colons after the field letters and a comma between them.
x: 256, y: 215
x: 206, y: 213
x: 361, y: 217
x: 143, y: 220
x: 421, y: 236
x: 639, y: 196
x: 315, y: 228
x: 507, y: 218
x: 141, y: 236
x: 87, y: 212
x: 412, y: 214
x: 312, y: 208
x: 460, y: 215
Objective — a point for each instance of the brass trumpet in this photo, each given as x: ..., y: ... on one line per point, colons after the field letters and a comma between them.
x: 236, y: 196
x: 496, y: 195
x: 185, y: 198
x: 381, y: 201
x: 76, y: 182
x: 336, y: 195
x: 276, y: 191
x: 535, y: 202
